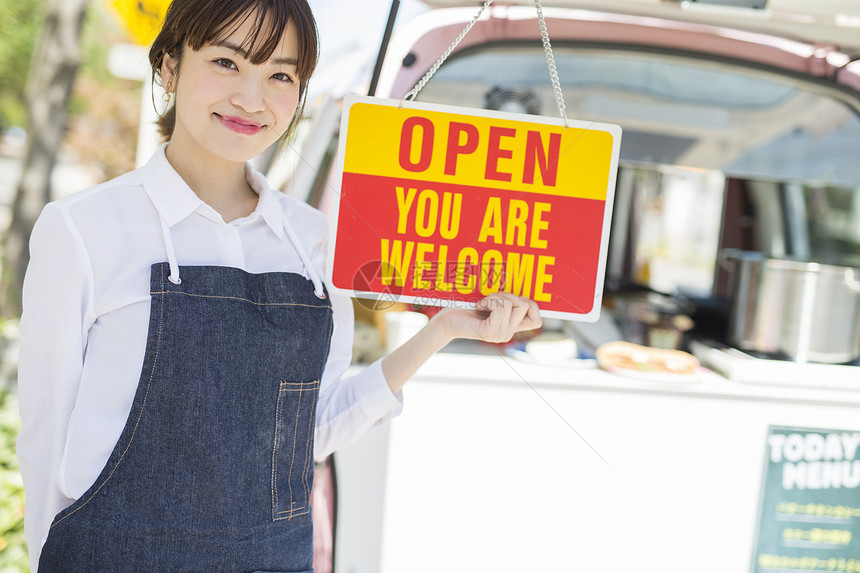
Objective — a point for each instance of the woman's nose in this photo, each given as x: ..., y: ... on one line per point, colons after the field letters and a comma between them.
x: 249, y: 95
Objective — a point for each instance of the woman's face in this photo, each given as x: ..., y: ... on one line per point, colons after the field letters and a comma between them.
x: 228, y: 108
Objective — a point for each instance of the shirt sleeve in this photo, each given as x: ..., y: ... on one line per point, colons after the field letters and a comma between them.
x: 56, y: 311
x: 349, y: 405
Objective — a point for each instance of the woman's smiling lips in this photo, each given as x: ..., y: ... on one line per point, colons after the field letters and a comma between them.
x: 239, y: 125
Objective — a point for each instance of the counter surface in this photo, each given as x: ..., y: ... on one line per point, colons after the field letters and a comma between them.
x: 501, y: 465
x: 493, y: 367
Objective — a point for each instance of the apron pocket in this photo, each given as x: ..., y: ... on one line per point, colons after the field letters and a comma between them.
x: 293, y: 451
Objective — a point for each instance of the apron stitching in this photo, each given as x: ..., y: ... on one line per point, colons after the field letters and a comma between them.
x: 293, y: 453
x: 292, y: 513
x: 137, y: 423
x: 275, y: 453
x: 304, y: 389
x: 243, y: 299
x: 308, y: 456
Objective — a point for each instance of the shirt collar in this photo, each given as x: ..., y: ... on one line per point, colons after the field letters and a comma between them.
x: 174, y: 200
x: 268, y: 205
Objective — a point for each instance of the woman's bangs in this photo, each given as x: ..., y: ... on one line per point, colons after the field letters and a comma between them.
x: 269, y: 23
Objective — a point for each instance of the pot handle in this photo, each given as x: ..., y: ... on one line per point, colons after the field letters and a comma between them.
x: 852, y: 282
x: 728, y: 258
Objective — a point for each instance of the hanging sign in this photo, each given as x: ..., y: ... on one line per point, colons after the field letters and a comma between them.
x: 809, y: 517
x: 443, y: 205
x: 140, y: 18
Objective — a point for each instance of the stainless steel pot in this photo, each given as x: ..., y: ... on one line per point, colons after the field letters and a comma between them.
x: 805, y: 311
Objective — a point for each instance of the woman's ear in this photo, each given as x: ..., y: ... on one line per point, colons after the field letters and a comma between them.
x: 168, y: 72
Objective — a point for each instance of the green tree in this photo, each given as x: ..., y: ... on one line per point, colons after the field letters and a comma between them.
x: 19, y: 25
x: 52, y: 72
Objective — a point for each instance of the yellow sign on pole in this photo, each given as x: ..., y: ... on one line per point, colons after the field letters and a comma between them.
x: 140, y: 18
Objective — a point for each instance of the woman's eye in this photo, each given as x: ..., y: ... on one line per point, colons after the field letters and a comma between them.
x: 282, y: 77
x: 225, y: 63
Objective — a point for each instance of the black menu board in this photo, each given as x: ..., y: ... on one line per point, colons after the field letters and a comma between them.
x: 809, y: 516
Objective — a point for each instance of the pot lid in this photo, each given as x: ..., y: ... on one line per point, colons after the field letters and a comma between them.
x: 789, y: 264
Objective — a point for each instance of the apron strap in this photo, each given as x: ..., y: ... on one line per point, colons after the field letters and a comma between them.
x: 171, y: 254
x: 306, y: 260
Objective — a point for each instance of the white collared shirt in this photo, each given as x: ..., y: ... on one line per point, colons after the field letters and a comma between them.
x: 86, y: 317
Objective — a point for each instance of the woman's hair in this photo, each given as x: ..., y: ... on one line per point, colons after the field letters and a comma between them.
x: 197, y: 22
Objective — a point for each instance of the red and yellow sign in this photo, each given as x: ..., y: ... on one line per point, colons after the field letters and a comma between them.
x: 441, y: 204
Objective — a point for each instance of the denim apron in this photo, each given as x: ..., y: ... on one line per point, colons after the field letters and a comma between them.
x: 214, y: 467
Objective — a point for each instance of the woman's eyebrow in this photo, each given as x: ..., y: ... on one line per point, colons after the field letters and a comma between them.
x: 244, y: 53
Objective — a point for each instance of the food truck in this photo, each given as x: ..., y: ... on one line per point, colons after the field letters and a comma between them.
x: 735, y: 240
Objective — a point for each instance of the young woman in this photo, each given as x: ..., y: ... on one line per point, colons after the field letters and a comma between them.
x: 180, y: 350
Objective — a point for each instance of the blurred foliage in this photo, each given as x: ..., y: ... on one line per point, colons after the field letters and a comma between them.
x: 19, y: 24
x: 104, y: 111
x: 102, y: 130
x: 13, y: 550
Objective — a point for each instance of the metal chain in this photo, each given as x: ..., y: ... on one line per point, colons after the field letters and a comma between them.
x: 550, y: 60
x: 423, y: 81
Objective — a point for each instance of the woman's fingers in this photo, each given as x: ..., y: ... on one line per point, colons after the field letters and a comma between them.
x: 508, y: 314
x: 499, y: 317
x: 532, y: 319
x: 496, y: 318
